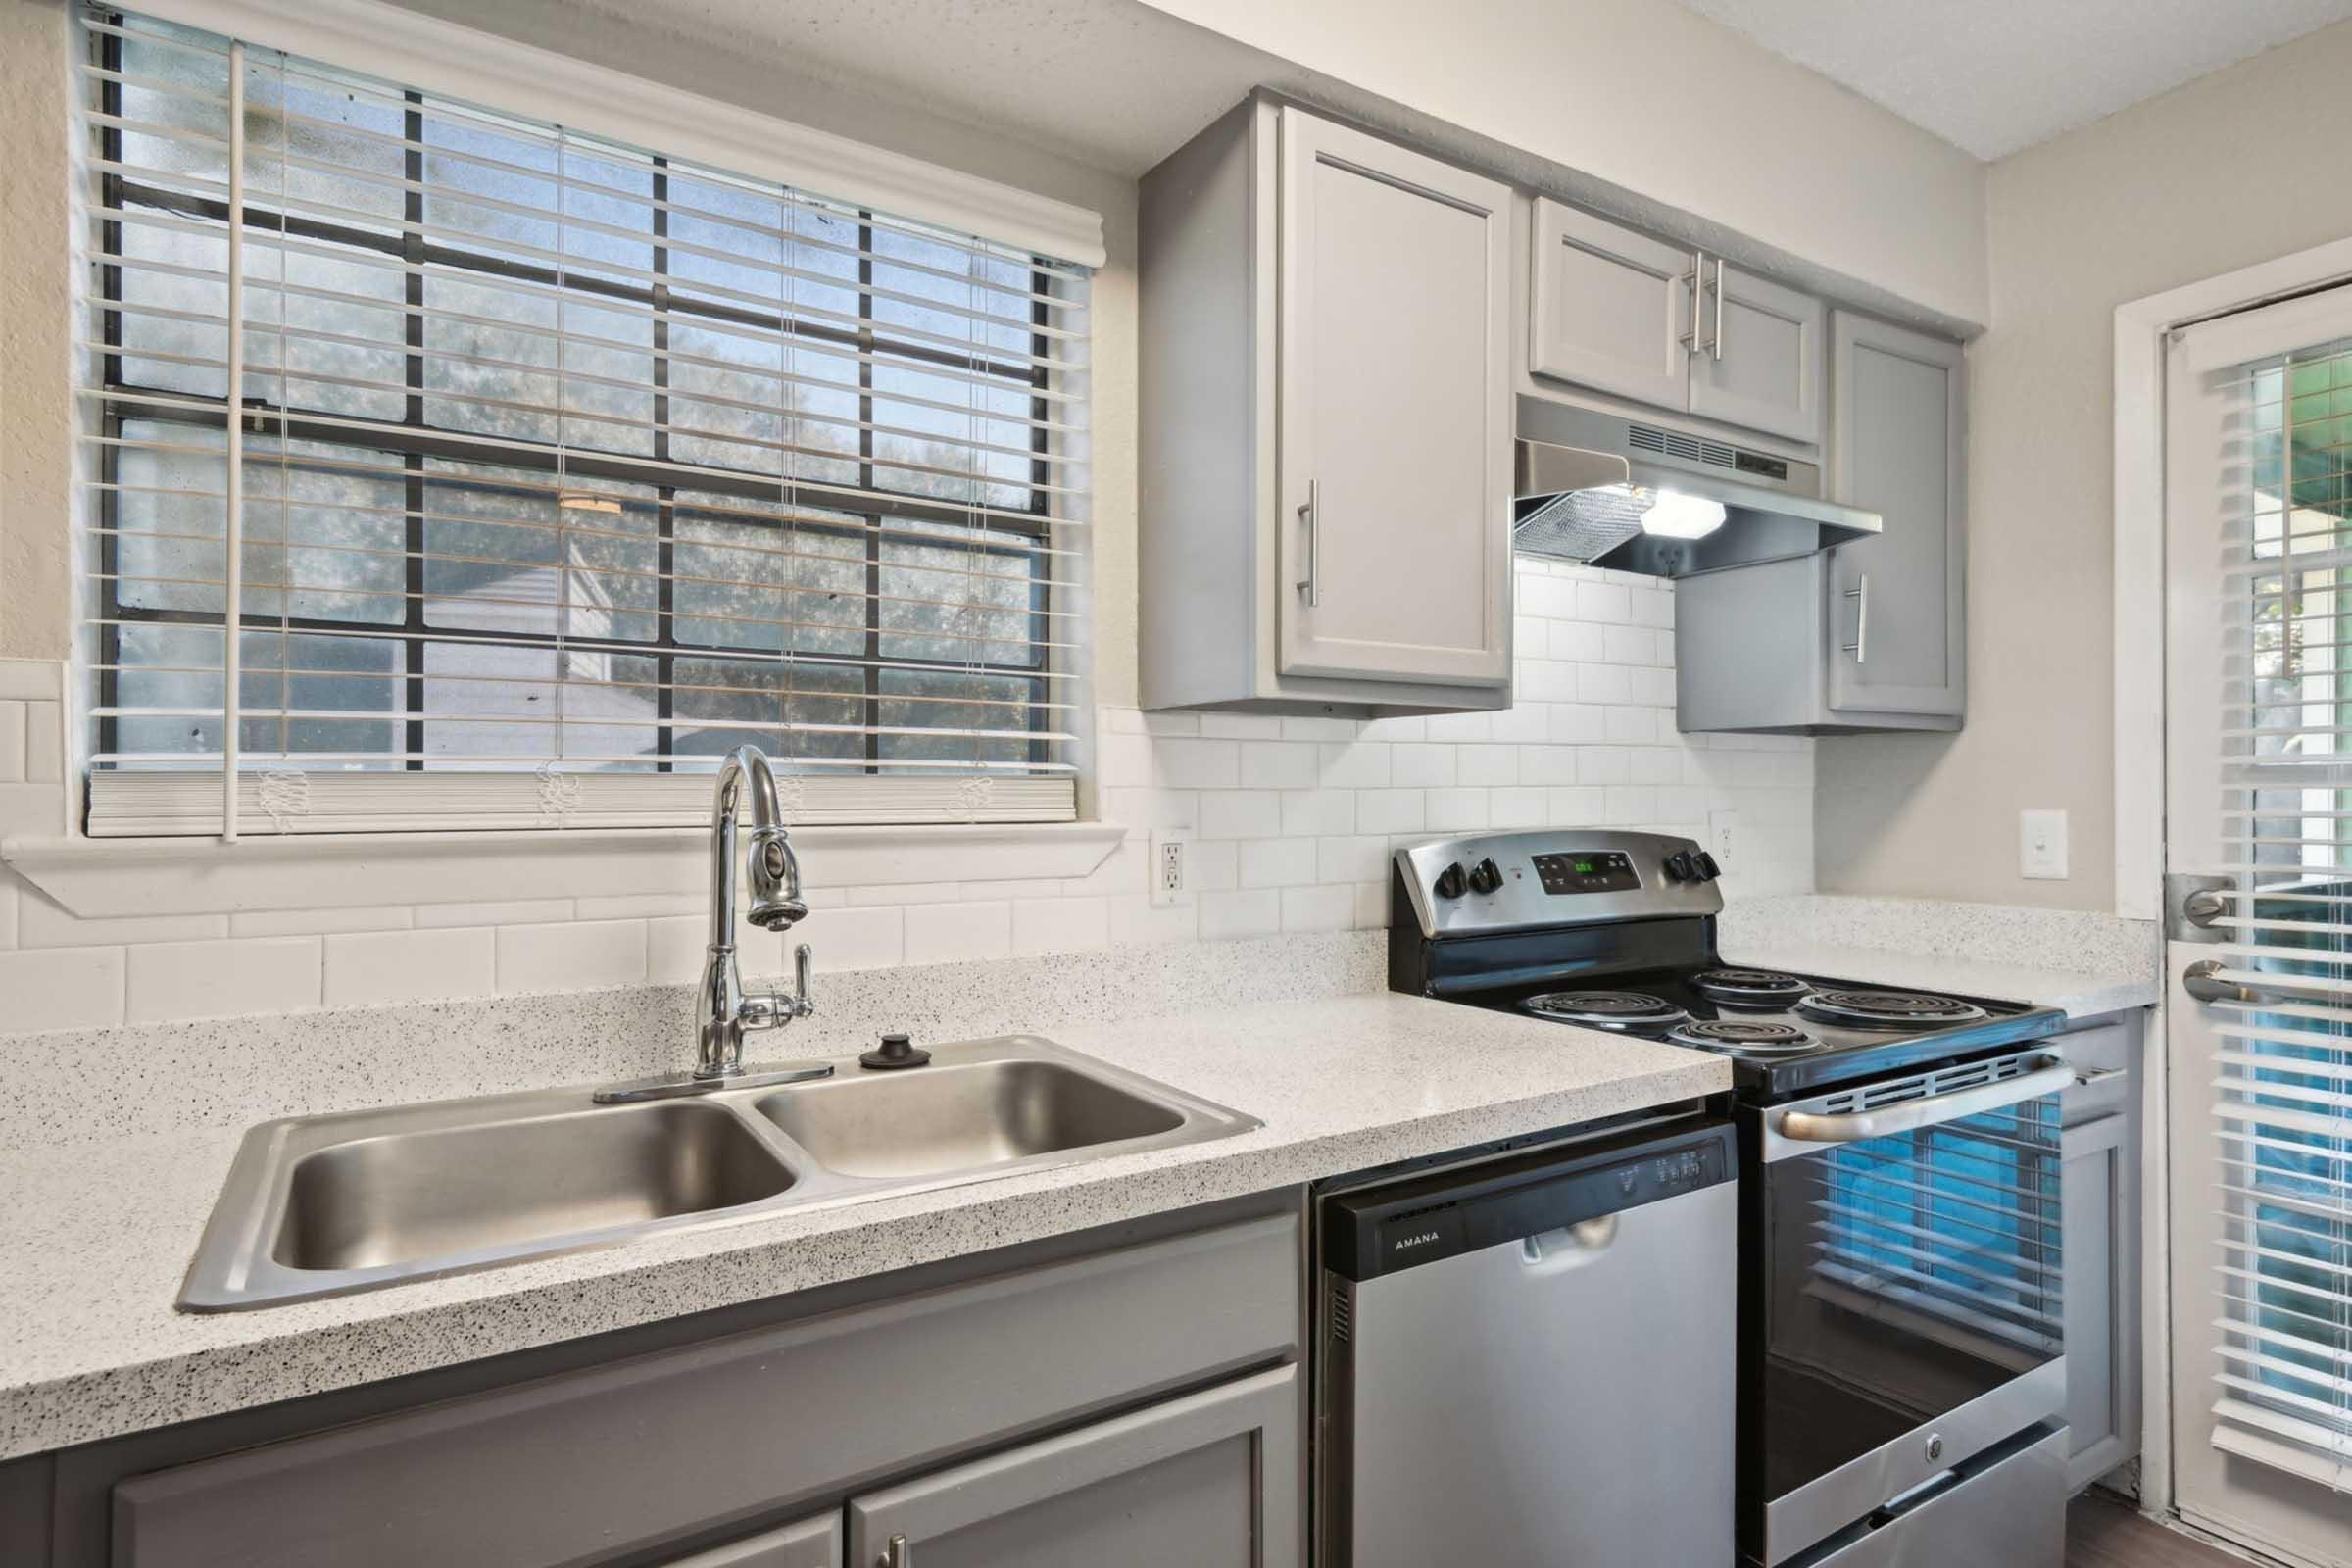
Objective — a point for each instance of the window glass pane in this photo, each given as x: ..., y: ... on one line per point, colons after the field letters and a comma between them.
x: 958, y: 602
x: 726, y: 702
x: 753, y: 575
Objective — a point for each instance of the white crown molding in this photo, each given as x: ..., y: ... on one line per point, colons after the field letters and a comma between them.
x: 107, y: 878
x: 520, y: 78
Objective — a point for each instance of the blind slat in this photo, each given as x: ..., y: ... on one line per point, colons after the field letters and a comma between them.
x: 553, y: 467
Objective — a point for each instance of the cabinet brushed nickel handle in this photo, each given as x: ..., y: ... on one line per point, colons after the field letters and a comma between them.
x: 1717, y: 349
x: 895, y: 1555
x: 1860, y: 595
x: 1696, y: 277
x: 1311, y: 586
x: 2099, y: 1075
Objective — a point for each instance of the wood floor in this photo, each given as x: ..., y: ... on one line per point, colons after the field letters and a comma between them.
x: 2106, y: 1535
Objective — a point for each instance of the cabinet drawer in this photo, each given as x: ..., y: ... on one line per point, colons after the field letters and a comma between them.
x: 809, y: 1544
x: 579, y: 1467
x: 1208, y: 1481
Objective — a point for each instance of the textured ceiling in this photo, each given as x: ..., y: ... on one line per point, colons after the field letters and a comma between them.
x: 1996, y: 76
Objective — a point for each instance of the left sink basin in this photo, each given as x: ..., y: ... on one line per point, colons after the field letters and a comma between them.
x: 327, y: 1204
x: 400, y: 1197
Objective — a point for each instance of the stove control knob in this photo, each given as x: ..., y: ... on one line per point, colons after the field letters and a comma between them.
x: 1449, y: 882
x: 1485, y: 877
x: 1681, y: 867
x: 1707, y: 868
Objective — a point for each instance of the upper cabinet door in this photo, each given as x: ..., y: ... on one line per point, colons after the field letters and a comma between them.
x: 1897, y: 435
x: 1611, y: 308
x: 1763, y: 362
x: 1395, y: 419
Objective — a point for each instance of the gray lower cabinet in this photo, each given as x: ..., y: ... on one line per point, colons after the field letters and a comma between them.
x: 740, y: 1450
x: 1873, y: 635
x: 1208, y: 1481
x: 1325, y: 422
x: 809, y: 1544
x: 2099, y: 1148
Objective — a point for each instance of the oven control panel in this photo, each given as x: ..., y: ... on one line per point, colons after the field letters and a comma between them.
x: 1592, y: 871
x: 1488, y: 883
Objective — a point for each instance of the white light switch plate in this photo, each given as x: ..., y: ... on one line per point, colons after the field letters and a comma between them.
x: 2041, y: 846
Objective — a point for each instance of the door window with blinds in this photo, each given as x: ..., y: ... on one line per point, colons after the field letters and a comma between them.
x: 2280, y: 1090
x: 450, y: 469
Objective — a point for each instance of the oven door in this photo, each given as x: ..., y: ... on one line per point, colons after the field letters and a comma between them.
x: 1901, y: 1311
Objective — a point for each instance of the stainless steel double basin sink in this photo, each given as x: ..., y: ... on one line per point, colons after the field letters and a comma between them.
x: 323, y: 1206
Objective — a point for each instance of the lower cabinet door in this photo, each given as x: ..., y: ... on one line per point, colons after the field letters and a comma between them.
x: 2101, y: 1285
x: 804, y: 1543
x: 1207, y: 1481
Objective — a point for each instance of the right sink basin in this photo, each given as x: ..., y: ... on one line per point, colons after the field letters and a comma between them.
x: 955, y: 1116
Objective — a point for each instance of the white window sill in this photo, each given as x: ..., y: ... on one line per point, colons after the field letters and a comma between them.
x: 108, y: 878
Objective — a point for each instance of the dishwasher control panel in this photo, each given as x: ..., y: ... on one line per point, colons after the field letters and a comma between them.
x: 1468, y: 1208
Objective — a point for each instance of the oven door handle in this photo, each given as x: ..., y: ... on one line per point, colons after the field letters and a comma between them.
x: 2049, y: 1076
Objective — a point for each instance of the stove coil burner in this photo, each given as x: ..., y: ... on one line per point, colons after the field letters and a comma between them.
x: 1606, y: 1010
x: 1887, y: 1009
x: 1749, y: 988
x: 1744, y: 1037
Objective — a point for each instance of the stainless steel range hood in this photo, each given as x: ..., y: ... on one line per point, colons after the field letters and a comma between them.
x: 1587, y: 481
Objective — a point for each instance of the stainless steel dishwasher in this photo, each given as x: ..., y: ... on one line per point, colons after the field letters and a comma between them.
x: 1528, y: 1357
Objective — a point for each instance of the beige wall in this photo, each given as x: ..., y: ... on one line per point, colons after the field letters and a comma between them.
x: 1663, y: 104
x: 2238, y: 168
x: 35, y: 274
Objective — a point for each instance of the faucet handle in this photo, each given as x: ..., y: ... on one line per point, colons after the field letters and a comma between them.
x: 770, y: 1009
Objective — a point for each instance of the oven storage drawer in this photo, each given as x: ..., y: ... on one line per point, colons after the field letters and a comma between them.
x: 2007, y: 1507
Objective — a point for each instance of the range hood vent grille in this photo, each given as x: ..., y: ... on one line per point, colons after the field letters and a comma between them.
x: 1674, y: 444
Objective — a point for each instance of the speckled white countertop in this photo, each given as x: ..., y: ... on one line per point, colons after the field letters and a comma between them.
x: 96, y: 1235
x: 2083, y: 962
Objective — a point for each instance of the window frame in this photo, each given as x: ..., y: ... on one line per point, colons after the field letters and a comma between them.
x: 417, y: 442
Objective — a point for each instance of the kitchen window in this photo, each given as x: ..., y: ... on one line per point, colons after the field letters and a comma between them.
x: 561, y: 469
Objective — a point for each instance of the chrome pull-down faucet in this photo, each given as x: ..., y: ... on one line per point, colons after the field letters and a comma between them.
x: 722, y: 1010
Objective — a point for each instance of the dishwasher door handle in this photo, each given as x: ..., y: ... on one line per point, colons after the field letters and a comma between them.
x: 1571, y: 1246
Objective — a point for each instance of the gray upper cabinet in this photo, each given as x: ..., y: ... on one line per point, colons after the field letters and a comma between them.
x: 1207, y: 1481
x: 1612, y: 309
x: 1326, y: 422
x: 1899, y: 445
x: 1761, y: 364
x: 1871, y: 636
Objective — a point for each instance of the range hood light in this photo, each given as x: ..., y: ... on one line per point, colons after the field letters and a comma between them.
x: 1674, y: 516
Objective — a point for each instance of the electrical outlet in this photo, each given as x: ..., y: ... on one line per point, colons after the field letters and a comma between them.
x: 1171, y: 867
x: 2041, y: 846
x: 1723, y: 834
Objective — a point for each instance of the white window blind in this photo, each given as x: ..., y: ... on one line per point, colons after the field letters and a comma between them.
x: 560, y: 469
x: 2282, y: 1102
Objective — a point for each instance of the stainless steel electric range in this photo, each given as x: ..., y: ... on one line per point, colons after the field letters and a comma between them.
x: 1901, y: 1371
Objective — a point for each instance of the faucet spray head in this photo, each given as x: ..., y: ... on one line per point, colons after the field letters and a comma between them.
x: 776, y: 901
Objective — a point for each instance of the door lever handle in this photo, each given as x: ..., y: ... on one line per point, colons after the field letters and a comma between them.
x: 1860, y: 595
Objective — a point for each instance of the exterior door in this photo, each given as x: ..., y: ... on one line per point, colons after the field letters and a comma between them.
x: 1764, y: 353
x: 1396, y: 421
x: 1897, y: 446
x: 1611, y: 308
x: 2257, y: 657
x: 1208, y: 1481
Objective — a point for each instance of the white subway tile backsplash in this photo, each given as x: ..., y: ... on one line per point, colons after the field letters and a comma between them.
x: 223, y: 979
x: 1390, y: 811
x: 519, y: 911
x: 1250, y: 913
x: 61, y: 988
x: 1419, y: 765
x: 952, y: 933
x: 1240, y: 814
x: 375, y: 967
x: 1061, y: 926
x: 1279, y: 764
x: 577, y: 956
x: 1319, y: 909
x: 1291, y: 821
x: 1311, y: 814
